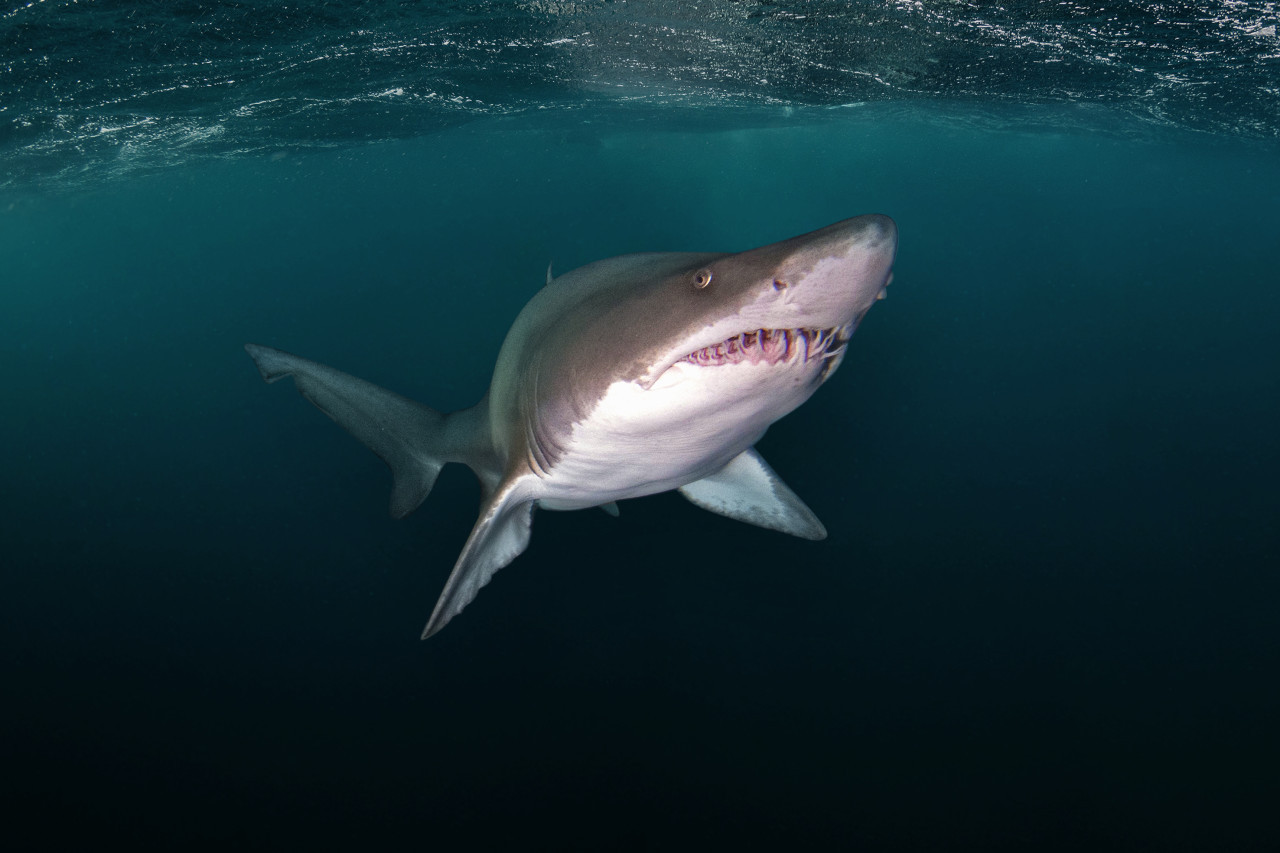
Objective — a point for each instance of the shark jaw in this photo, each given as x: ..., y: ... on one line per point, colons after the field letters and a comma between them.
x: 807, y: 349
x: 775, y: 346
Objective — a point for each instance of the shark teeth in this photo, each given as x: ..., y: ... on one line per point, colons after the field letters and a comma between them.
x: 773, y: 346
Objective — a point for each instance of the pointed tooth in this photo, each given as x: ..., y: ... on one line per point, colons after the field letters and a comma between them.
x: 776, y: 348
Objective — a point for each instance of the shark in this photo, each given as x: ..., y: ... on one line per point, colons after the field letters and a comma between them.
x: 627, y: 377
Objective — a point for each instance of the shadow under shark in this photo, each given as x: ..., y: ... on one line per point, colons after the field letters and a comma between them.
x: 627, y: 377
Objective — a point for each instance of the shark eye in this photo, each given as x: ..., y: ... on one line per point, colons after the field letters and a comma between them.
x: 702, y: 279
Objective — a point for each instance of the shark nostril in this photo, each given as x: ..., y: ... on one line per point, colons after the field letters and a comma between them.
x: 779, y: 284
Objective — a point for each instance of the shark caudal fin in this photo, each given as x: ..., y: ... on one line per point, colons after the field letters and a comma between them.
x: 415, y: 441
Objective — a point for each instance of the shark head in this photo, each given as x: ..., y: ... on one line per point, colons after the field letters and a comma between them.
x: 697, y: 352
x: 789, y: 306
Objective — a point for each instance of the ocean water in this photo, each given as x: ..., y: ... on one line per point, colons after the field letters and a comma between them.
x: 1046, y: 613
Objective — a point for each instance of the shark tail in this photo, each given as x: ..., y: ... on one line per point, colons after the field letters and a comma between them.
x: 414, y: 440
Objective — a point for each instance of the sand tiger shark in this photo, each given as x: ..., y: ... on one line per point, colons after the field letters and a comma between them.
x: 627, y: 377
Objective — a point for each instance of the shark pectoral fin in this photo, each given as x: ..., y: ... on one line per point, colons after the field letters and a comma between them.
x: 396, y: 428
x: 500, y: 535
x: 748, y: 490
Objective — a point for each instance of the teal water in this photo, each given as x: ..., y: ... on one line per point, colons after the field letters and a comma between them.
x: 1044, y: 617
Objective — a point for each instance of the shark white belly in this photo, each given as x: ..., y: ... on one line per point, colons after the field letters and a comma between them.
x: 627, y: 377
x: 638, y: 442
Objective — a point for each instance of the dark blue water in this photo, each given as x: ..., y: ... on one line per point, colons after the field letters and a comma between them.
x: 1045, y: 617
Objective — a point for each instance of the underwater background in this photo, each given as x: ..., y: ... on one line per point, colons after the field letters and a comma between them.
x: 1046, y: 613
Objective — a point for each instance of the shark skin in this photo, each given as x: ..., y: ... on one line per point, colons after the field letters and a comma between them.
x: 627, y: 377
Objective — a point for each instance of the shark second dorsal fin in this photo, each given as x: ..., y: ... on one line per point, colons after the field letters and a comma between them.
x: 500, y: 535
x: 748, y: 490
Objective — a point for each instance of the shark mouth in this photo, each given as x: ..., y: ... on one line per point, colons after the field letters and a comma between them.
x: 774, y: 346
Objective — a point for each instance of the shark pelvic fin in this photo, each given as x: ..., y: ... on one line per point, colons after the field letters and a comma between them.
x: 748, y: 490
x: 411, y: 438
x: 501, y: 534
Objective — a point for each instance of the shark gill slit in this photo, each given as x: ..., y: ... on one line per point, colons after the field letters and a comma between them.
x: 540, y: 459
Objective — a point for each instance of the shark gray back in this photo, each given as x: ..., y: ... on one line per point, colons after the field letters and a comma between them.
x: 626, y: 377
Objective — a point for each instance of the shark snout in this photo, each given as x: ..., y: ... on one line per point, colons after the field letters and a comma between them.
x: 887, y: 247
x: 869, y: 260
x: 842, y: 269
x: 875, y: 238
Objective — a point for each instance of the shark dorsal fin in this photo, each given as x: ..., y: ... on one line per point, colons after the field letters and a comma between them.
x: 748, y: 490
x: 549, y: 263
